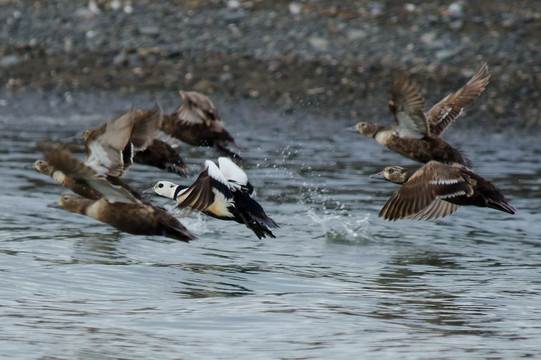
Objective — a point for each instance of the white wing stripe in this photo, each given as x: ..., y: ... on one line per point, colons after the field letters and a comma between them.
x: 443, y: 181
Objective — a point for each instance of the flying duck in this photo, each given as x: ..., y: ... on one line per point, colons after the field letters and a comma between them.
x: 115, y: 206
x: 77, y: 186
x: 436, y: 190
x: 197, y: 122
x: 416, y: 134
x: 152, y: 150
x: 222, y: 192
x: 108, y: 151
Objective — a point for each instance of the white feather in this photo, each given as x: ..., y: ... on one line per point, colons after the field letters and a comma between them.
x: 443, y: 181
x: 98, y: 160
x: 407, y: 127
x: 383, y: 137
x: 232, y: 172
x: 457, y: 193
x: 166, y: 190
x: 215, y: 173
x: 59, y: 176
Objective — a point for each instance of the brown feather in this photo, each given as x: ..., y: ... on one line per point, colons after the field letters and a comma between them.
x: 147, y: 122
x: 449, y: 109
x: 408, y: 106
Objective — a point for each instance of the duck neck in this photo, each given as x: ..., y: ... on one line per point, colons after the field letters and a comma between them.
x: 179, y: 191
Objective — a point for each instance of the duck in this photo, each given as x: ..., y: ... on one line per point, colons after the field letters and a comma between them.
x: 197, y: 122
x: 103, y: 153
x: 152, y: 150
x: 75, y: 185
x: 416, y: 134
x: 222, y: 192
x: 436, y: 190
x: 109, y: 150
x: 115, y: 205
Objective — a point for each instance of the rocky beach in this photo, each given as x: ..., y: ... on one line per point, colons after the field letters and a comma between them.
x: 328, y: 58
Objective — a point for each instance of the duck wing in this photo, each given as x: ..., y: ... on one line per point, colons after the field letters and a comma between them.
x: 423, y: 196
x: 147, y: 122
x: 209, y: 193
x: 449, y: 109
x: 105, y: 147
x: 251, y: 213
x: 407, y: 106
x: 61, y: 159
x: 235, y: 176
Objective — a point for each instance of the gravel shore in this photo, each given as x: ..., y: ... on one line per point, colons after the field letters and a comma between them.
x: 327, y: 57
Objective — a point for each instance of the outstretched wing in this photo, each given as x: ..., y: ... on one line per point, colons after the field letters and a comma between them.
x: 408, y: 106
x: 203, y: 194
x: 235, y: 176
x: 147, y: 122
x: 104, y: 147
x: 423, y: 196
x: 62, y: 160
x: 449, y: 109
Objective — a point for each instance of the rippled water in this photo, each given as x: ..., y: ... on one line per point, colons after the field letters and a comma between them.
x: 338, y: 282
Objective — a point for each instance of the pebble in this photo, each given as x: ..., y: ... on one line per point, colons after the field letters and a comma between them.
x: 319, y: 43
x: 149, y: 30
x: 9, y: 60
x: 356, y: 34
x: 291, y: 38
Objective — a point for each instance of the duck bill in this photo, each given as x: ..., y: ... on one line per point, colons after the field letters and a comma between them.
x: 378, y: 176
x: 54, y: 205
x: 352, y: 129
x: 149, y: 191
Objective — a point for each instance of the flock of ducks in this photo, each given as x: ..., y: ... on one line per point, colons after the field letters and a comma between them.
x: 446, y: 181
x: 223, y: 191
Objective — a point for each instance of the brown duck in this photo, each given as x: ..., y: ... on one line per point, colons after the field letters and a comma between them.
x: 416, y: 134
x: 108, y: 152
x: 197, y: 122
x: 153, y: 151
x: 77, y: 186
x: 115, y: 206
x: 436, y: 190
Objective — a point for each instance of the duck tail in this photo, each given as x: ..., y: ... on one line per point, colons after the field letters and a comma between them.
x: 260, y: 229
x: 175, y: 230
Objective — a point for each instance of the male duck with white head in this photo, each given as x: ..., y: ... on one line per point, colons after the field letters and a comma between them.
x: 222, y: 192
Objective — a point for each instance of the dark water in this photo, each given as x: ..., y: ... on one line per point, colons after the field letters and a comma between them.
x: 338, y: 282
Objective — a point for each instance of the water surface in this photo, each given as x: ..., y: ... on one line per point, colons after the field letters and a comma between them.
x: 337, y: 282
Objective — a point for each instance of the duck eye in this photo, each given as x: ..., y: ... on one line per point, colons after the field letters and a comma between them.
x: 160, y: 185
x: 391, y: 171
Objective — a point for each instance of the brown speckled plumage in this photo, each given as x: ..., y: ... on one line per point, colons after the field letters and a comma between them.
x: 118, y: 206
x: 416, y: 134
x: 437, y: 190
x: 197, y: 122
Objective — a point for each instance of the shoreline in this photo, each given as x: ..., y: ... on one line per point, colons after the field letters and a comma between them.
x: 314, y: 57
